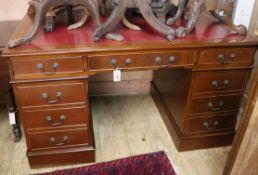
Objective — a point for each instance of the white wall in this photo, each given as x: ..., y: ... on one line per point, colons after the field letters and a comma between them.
x: 12, y: 9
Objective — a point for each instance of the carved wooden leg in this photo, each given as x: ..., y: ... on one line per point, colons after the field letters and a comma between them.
x: 40, y: 13
x: 197, y: 7
x: 115, y: 17
x: 180, y: 10
x: 227, y: 19
x: 42, y: 9
x: 148, y: 15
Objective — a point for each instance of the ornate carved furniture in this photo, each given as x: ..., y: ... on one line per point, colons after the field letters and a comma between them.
x: 220, y: 9
x: 42, y: 6
x: 198, y: 85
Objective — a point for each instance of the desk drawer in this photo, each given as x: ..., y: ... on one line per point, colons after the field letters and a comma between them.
x: 220, y: 81
x: 215, y: 104
x: 56, y: 118
x: 211, y: 123
x: 59, y: 138
x: 47, y: 66
x: 37, y: 94
x: 110, y: 62
x: 183, y: 58
x: 228, y: 57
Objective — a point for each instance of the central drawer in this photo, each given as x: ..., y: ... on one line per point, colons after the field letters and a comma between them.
x: 147, y: 60
x: 57, y: 139
x: 54, y: 93
x: 56, y: 118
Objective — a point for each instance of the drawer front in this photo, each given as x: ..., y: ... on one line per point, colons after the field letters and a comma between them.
x: 110, y: 62
x: 215, y: 104
x: 185, y: 58
x: 228, y: 57
x: 220, y: 81
x: 47, y: 66
x: 58, y: 138
x: 211, y: 124
x: 51, y: 93
x: 55, y: 118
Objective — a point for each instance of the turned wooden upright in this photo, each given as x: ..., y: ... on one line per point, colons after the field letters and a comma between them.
x: 198, y: 85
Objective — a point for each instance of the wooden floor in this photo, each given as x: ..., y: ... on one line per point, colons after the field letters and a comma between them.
x: 123, y: 126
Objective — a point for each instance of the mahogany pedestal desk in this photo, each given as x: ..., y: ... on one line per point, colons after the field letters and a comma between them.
x: 198, y: 85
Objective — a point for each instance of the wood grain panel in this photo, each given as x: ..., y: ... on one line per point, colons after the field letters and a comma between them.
x: 220, y: 81
x: 39, y: 120
x: 62, y: 138
x: 47, y: 66
x: 57, y: 93
x: 215, y: 104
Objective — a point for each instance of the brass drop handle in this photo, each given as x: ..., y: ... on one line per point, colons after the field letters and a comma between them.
x: 64, y: 141
x: 171, y: 59
x: 45, y: 96
x: 158, y: 60
x: 41, y: 67
x: 223, y: 60
x: 128, y: 61
x: 232, y: 56
x: 215, y: 84
x: 114, y: 62
x: 219, y: 108
x: 60, y: 122
x: 209, y: 127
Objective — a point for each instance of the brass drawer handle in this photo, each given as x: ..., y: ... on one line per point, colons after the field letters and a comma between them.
x: 64, y: 141
x: 41, y: 67
x: 128, y: 61
x: 171, y: 59
x: 211, y: 128
x: 217, y: 87
x: 45, y: 96
x: 114, y: 62
x: 222, y: 59
x: 219, y: 108
x: 158, y: 60
x: 60, y: 122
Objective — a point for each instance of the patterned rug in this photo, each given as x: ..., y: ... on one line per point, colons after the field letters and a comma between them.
x: 147, y: 164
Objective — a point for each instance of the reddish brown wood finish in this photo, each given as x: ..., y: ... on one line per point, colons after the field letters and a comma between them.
x: 67, y: 156
x: 38, y: 120
x: 214, y: 124
x: 42, y: 140
x: 47, y: 66
x: 204, y: 81
x: 178, y: 93
x: 201, y: 105
x: 141, y: 60
x: 71, y: 92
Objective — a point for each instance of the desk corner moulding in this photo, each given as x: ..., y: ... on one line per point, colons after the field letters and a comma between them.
x: 198, y: 80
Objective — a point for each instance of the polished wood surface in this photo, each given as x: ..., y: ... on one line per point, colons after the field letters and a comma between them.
x: 47, y: 66
x: 216, y: 82
x: 215, y: 104
x: 70, y: 92
x: 198, y: 119
x: 50, y: 119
